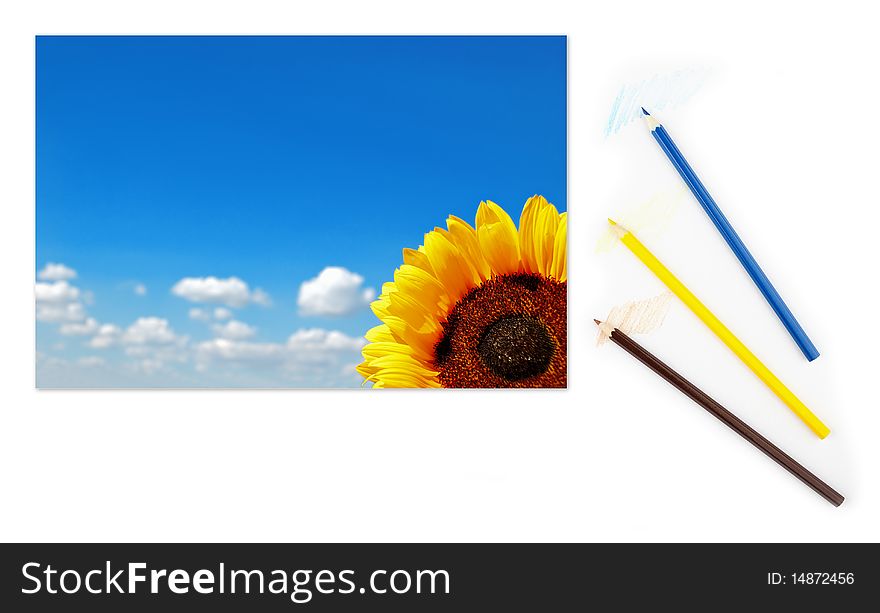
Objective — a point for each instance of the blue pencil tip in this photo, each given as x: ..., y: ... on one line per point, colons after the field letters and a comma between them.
x: 645, y: 112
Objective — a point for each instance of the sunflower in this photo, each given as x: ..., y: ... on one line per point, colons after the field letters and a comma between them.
x: 482, y: 307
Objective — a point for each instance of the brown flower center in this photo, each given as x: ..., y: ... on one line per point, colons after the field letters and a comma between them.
x: 508, y: 332
x: 516, y: 347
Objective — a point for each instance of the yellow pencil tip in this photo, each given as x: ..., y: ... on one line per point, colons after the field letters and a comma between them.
x: 615, y: 229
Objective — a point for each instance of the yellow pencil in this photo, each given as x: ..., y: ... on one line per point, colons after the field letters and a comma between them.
x: 721, y: 331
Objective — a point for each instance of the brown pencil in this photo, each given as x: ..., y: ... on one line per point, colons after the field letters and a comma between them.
x: 732, y: 421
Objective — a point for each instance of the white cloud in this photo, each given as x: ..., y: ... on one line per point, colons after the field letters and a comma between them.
x: 49, y: 360
x: 166, y: 353
x: 234, y: 330
x: 86, y: 328
x: 149, y: 331
x: 316, y: 340
x: 58, y: 302
x: 322, y: 358
x: 140, y: 289
x: 59, y: 313
x: 261, y: 297
x: 328, y: 349
x: 149, y: 366
x: 232, y: 292
x: 239, y: 351
x: 150, y: 340
x: 56, y: 272
x: 59, y: 292
x: 150, y: 346
x: 335, y: 291
x: 91, y: 361
x: 199, y: 314
x: 154, y: 344
x: 202, y: 314
x: 107, y: 336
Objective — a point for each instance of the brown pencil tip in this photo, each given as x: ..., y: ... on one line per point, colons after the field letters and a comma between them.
x: 598, y: 323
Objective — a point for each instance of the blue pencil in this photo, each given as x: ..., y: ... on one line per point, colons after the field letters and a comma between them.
x: 733, y: 240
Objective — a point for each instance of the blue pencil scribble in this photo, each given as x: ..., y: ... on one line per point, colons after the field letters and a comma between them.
x: 657, y: 93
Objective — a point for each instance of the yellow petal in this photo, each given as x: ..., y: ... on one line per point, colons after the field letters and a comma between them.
x: 544, y: 238
x: 448, y: 264
x: 421, y: 343
x: 365, y: 370
x: 560, y: 250
x: 489, y: 212
x: 421, y: 286
x: 403, y: 364
x: 401, y: 371
x: 417, y: 259
x: 420, y: 316
x: 465, y: 238
x: 498, y: 238
x: 527, y: 221
x: 380, y: 306
x: 376, y: 350
x: 499, y: 247
x: 379, y: 334
x: 387, y: 379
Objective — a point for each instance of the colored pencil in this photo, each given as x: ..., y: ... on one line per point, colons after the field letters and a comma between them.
x: 730, y: 420
x: 721, y: 331
x: 733, y: 240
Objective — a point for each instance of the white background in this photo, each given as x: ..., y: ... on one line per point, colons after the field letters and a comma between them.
x: 783, y: 133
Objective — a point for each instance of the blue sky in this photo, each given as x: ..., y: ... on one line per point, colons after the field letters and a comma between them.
x: 264, y: 160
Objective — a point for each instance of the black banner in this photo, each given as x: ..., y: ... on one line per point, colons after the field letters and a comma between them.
x: 431, y: 577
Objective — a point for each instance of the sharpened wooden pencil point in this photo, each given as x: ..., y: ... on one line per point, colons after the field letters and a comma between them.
x: 616, y: 229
